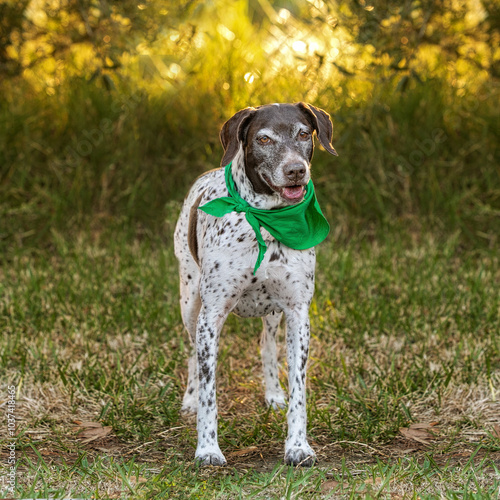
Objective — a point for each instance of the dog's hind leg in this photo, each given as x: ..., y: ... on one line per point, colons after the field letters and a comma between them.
x: 190, y: 310
x: 275, y: 397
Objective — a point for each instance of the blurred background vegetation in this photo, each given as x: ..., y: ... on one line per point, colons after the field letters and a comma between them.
x: 110, y: 109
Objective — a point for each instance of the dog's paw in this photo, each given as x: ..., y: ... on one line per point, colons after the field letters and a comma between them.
x: 210, y: 458
x: 300, y: 455
x: 276, y: 401
x: 189, y: 409
x: 276, y: 398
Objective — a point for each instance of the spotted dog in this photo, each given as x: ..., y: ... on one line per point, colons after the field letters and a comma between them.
x: 270, y: 149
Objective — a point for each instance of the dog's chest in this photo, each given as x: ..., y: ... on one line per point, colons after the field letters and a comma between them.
x: 285, y: 277
x: 257, y: 302
x: 277, y: 286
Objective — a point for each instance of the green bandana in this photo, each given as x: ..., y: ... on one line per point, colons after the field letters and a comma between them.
x: 299, y: 226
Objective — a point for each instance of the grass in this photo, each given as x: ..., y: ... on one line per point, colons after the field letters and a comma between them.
x: 405, y: 331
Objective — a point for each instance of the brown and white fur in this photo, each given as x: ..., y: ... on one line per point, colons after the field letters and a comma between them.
x: 271, y: 149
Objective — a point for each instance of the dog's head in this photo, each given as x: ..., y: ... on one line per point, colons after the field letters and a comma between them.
x: 277, y: 140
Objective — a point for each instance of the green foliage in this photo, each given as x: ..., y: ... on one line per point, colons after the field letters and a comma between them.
x: 110, y: 109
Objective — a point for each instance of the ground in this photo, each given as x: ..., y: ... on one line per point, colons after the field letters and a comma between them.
x: 403, y: 378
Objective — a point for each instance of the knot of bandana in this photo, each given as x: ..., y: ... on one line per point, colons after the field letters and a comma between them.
x: 300, y: 226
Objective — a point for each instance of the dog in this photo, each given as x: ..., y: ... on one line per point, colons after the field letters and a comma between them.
x: 269, y: 150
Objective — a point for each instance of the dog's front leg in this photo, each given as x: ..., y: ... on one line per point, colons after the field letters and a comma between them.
x: 207, y: 343
x: 297, y: 449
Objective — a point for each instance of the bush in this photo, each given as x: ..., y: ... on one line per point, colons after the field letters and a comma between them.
x: 105, y: 123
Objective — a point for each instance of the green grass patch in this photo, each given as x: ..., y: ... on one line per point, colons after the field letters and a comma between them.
x: 404, y: 374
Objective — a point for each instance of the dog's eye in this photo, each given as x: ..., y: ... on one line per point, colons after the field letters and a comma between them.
x: 304, y: 135
x: 264, y: 139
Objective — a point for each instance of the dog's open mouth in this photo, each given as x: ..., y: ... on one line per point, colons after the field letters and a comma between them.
x: 293, y: 193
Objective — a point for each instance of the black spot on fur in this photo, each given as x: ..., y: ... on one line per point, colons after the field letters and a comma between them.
x: 304, y: 362
x: 274, y: 256
x: 205, y: 371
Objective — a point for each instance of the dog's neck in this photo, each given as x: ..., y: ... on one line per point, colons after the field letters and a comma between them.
x: 246, y: 190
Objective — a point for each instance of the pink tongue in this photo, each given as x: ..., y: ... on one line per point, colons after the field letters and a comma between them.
x: 292, y: 193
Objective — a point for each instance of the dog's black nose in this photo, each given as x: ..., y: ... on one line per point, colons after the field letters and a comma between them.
x: 295, y: 172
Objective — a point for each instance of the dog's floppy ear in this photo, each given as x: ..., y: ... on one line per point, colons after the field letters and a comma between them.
x: 322, y: 123
x: 233, y: 132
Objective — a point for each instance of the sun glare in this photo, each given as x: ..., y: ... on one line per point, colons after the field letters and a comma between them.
x: 249, y: 77
x: 299, y: 46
